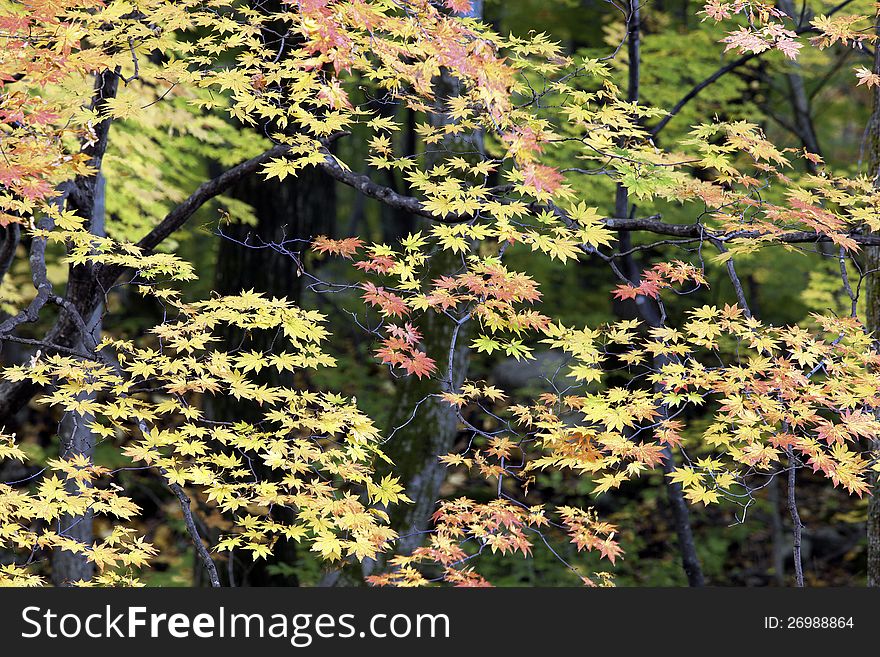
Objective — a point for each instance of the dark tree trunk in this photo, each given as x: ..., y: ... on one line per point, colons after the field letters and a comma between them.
x: 648, y: 311
x: 76, y: 439
x: 294, y: 208
x: 800, y: 101
x: 85, y: 196
x: 67, y: 567
x: 872, y: 298
x: 423, y: 427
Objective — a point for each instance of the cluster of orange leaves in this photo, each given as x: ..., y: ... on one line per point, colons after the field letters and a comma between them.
x: 498, y: 526
x: 661, y: 275
x: 400, y: 349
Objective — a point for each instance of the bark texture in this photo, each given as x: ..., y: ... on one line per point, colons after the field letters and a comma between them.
x: 872, y: 299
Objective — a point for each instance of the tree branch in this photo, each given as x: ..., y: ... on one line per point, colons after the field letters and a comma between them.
x: 386, y: 195
x: 653, y: 224
x: 203, y: 553
x: 724, y: 70
x: 175, y: 219
x: 695, y: 91
x: 796, y: 525
x: 40, y: 278
x: 204, y: 193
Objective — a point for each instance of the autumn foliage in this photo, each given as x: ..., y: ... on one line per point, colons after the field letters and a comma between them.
x: 720, y: 402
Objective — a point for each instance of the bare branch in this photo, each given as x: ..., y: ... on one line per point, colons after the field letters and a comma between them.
x: 204, y: 193
x: 724, y: 70
x: 796, y: 525
x: 202, y: 551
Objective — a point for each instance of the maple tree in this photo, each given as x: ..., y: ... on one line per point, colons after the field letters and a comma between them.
x: 515, y: 150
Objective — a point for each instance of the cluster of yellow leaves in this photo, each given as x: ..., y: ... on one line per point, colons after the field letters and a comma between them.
x: 42, y: 47
x: 217, y: 58
x: 778, y: 396
x: 473, y: 391
x: 783, y: 390
x: 399, y: 49
x: 807, y: 394
x: 51, y: 51
x: 83, y: 247
x: 779, y: 393
x: 831, y: 206
x: 58, y: 497
x: 318, y: 448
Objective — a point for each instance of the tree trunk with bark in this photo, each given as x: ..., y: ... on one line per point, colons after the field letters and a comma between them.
x: 651, y: 316
x: 77, y: 439
x: 422, y: 427
x: 296, y: 208
x: 872, y: 299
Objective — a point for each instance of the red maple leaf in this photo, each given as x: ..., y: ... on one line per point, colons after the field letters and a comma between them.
x: 346, y: 247
x: 420, y: 365
x: 459, y: 6
x: 389, y: 303
x: 626, y: 291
